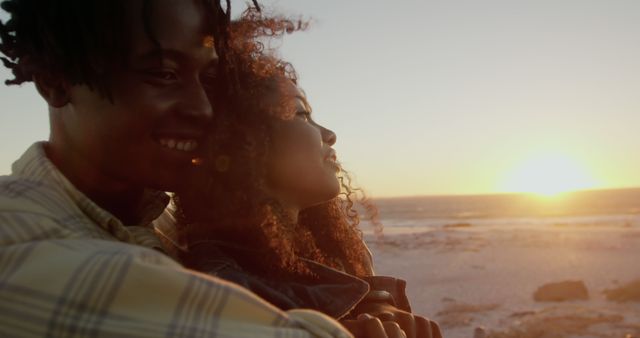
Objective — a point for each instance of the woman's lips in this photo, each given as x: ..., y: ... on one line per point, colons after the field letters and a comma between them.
x: 331, y: 156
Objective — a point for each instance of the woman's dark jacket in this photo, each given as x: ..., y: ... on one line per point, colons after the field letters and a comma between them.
x: 333, y: 292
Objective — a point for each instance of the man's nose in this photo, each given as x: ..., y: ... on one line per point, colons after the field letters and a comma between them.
x: 196, y: 103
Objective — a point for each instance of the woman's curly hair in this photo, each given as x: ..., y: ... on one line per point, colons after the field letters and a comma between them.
x: 229, y: 203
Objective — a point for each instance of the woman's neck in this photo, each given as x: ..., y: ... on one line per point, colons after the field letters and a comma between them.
x: 291, y: 212
x: 289, y: 208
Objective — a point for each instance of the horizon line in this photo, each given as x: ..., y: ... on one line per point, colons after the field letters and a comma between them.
x: 500, y: 193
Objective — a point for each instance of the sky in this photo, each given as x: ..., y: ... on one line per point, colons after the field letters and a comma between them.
x: 453, y: 97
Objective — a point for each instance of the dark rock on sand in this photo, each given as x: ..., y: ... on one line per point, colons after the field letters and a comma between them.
x: 626, y: 293
x: 457, y: 225
x: 461, y: 314
x: 480, y: 332
x: 566, y: 321
x: 522, y: 314
x: 561, y: 291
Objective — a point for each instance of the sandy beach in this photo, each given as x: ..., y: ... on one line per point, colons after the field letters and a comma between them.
x: 480, y: 281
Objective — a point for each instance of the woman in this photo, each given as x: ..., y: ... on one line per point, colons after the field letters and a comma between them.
x: 272, y: 209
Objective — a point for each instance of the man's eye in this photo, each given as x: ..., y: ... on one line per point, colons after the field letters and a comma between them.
x: 210, y: 80
x: 163, y: 75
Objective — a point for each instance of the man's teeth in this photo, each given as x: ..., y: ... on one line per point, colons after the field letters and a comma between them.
x: 184, y: 145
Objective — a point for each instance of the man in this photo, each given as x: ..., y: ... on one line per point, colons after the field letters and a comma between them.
x: 125, y: 84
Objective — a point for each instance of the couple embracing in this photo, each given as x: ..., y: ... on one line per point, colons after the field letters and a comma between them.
x: 259, y: 237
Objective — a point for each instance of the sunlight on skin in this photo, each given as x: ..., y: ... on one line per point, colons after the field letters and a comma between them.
x: 549, y: 175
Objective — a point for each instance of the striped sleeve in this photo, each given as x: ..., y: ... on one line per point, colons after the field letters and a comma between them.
x: 97, y: 288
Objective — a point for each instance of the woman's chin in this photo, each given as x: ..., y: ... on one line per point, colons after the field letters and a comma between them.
x: 333, y: 193
x: 333, y: 187
x: 324, y: 196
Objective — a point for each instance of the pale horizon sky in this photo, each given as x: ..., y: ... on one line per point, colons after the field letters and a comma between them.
x: 453, y: 97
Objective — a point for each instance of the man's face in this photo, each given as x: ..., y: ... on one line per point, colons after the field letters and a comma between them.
x: 150, y: 131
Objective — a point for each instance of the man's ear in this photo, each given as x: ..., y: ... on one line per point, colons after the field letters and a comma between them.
x: 54, y: 91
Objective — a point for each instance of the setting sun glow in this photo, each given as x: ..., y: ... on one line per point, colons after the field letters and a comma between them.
x: 549, y: 175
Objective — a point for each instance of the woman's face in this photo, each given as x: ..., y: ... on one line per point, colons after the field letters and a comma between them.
x: 301, y: 165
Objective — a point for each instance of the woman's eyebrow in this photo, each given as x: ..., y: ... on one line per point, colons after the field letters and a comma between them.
x: 305, y: 104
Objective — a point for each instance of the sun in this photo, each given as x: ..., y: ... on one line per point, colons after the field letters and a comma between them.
x: 549, y: 175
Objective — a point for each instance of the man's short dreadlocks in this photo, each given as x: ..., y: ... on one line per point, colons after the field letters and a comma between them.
x: 81, y: 41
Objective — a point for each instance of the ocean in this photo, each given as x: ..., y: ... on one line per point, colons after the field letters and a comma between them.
x: 607, y: 208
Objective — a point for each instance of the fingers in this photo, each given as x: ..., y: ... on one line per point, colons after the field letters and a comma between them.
x: 386, y: 316
x: 426, y: 328
x: 390, y: 328
x: 365, y: 326
x: 435, y: 329
x: 393, y: 330
x: 371, y: 327
x: 404, y: 319
x: 407, y: 323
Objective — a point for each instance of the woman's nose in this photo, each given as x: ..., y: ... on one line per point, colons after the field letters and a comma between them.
x: 328, y: 136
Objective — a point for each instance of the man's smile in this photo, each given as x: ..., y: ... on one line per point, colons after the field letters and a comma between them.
x: 179, y: 144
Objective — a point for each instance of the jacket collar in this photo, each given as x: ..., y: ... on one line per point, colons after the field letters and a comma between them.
x: 36, y: 166
x: 334, y: 292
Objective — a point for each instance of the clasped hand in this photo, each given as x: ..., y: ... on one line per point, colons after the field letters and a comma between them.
x: 381, y: 320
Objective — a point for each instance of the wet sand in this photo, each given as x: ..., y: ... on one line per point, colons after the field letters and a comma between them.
x: 482, y: 280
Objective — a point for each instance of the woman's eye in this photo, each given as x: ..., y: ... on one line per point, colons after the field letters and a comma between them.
x: 306, y: 116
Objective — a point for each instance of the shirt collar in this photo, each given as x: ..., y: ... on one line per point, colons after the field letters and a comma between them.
x: 35, y: 165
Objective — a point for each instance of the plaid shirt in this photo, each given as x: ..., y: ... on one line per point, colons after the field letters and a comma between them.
x: 69, y: 268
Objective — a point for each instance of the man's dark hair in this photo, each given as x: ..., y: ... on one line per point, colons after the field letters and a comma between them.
x: 81, y: 41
